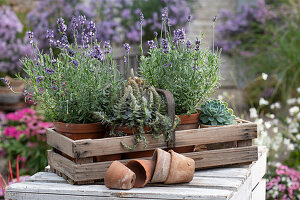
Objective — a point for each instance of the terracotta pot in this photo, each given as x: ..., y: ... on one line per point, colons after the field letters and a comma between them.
x: 188, y: 122
x: 143, y: 170
x: 184, y: 149
x: 80, y: 131
x: 182, y: 169
x: 162, y: 160
x: 208, y: 126
x: 128, y: 130
x: 118, y: 176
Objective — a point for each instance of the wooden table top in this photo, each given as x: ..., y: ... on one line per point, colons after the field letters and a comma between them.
x: 234, y: 183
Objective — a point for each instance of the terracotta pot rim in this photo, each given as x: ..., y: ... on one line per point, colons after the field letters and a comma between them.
x: 189, y: 119
x: 78, y: 128
x: 128, y: 130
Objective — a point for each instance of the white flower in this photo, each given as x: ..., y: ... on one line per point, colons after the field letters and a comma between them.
x: 275, y: 129
x: 268, y: 125
x: 294, y: 110
x: 262, y: 102
x: 298, y: 136
x: 220, y: 97
x: 264, y: 76
x: 253, y: 113
x: 272, y: 116
x: 291, y: 101
x: 275, y: 105
x: 298, y: 100
x: 298, y: 116
x: 298, y: 89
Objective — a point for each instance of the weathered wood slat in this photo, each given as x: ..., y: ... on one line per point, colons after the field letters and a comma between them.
x: 89, y: 148
x: 205, y: 159
x: 177, y: 192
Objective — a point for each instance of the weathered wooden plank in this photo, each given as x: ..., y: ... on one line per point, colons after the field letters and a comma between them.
x: 210, y: 182
x: 244, y: 192
x: 259, y: 192
x: 258, y: 168
x: 88, y: 148
x: 205, y: 159
x: 176, y: 192
x: 60, y: 142
x: 224, y: 173
x: 61, y: 164
x: 46, y: 177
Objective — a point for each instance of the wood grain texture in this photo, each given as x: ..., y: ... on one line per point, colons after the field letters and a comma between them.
x: 230, y: 183
x: 107, y: 146
x: 205, y: 159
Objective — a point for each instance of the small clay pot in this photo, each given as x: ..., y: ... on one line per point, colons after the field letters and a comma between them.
x: 80, y: 131
x: 118, y: 176
x: 128, y: 130
x: 143, y: 170
x: 162, y: 160
x: 208, y: 126
x: 182, y: 169
x: 188, y: 122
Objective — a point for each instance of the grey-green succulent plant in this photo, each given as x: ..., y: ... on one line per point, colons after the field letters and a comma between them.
x: 138, y: 106
x: 216, y: 112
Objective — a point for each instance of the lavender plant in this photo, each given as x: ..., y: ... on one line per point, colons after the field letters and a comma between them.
x: 12, y: 44
x: 180, y: 66
x: 44, y: 16
x: 79, y: 80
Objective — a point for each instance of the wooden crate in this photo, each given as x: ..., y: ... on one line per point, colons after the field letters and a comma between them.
x: 225, y: 145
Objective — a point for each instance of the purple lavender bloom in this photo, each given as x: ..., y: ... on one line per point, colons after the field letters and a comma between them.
x: 179, y: 35
x: 125, y: 59
x: 62, y: 27
x: 197, y: 43
x: 30, y: 36
x: 126, y: 47
x: 54, y: 61
x: 164, y: 14
x: 91, y: 29
x: 75, y: 62
x: 39, y: 78
x: 49, y: 70
x: 141, y: 18
x: 74, y: 23
x: 97, y: 53
x: 155, y: 34
x: 85, y: 41
x: 71, y: 52
x: 165, y: 45
x: 81, y: 20
x: 189, y: 19
x: 214, y: 19
x: 50, y: 34
x: 107, y: 47
x: 152, y: 44
x: 64, y: 41
x: 188, y: 45
x: 125, y: 13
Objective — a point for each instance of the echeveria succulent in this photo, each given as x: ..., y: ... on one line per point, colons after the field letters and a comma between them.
x: 216, y: 112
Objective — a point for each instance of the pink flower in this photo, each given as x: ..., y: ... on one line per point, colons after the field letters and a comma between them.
x: 12, y: 132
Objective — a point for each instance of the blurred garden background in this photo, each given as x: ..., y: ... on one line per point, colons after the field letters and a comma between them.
x: 260, y: 42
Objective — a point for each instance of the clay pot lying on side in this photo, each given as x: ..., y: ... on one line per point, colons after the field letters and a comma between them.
x: 118, y: 176
x: 182, y: 169
x: 143, y: 170
x: 162, y: 160
x: 80, y: 131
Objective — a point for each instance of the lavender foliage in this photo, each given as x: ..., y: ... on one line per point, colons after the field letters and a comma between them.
x: 13, y: 46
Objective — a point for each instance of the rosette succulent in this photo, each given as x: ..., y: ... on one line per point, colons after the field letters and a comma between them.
x: 215, y: 112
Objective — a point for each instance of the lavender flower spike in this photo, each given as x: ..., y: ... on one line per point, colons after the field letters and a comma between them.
x: 50, y: 34
x: 141, y: 18
x: 165, y: 45
x: 214, y: 19
x: 164, y: 14
x: 152, y: 44
x: 126, y: 47
x: 62, y: 27
x: 30, y: 36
